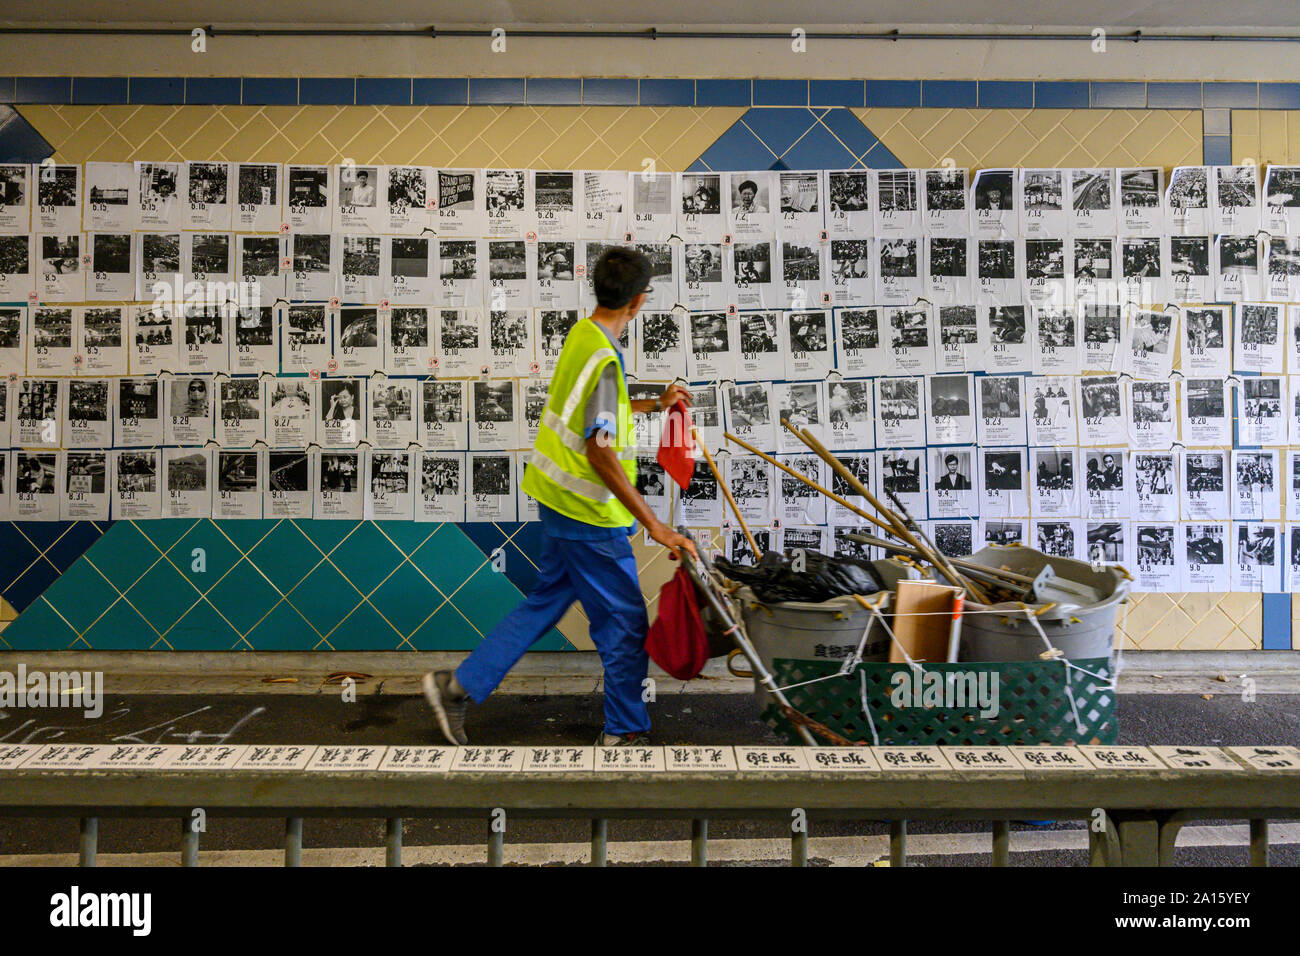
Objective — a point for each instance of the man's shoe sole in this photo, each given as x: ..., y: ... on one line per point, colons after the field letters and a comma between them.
x: 434, y: 697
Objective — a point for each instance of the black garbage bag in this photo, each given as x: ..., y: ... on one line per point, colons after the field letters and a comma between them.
x: 774, y: 580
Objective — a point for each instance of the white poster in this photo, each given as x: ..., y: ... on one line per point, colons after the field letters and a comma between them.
x: 59, y: 271
x: 1004, y: 488
x: 1052, y: 419
x: 700, y: 217
x: 494, y: 422
x: 858, y: 341
x: 259, y: 190
x: 1105, y: 484
x: 654, y: 201
x: 307, y: 197
x: 1141, y: 270
x: 1055, y: 341
x: 85, y: 487
x: 1093, y: 271
x: 1262, y: 417
x: 1093, y: 202
x: 1001, y: 410
x: 749, y: 414
x: 306, y: 338
x: 255, y: 346
x: 315, y: 265
x: 952, y: 411
x: 510, y: 342
x: 848, y: 203
x: 796, y: 502
x: 807, y: 344
x: 390, y: 486
x: 462, y: 341
x: 291, y: 416
x: 1043, y: 211
x: 898, y: 202
x: 50, y: 348
x: 862, y: 467
x: 1205, y: 548
x: 1188, y: 268
x: 1154, y: 421
x: 1205, y: 485
x: 356, y: 199
x: 139, y: 408
x: 1207, y: 417
x: 112, y: 278
x: 358, y: 339
x: 137, y: 485
x: 1058, y: 537
x: 849, y: 412
x: 442, y: 487
x: 462, y: 271
x: 903, y: 481
x: 108, y: 196
x: 58, y: 197
x: 1003, y: 532
x: 37, y: 412
x: 90, y: 413
x: 802, y: 405
x: 900, y: 412
x: 408, y: 196
x: 1103, y: 419
x: 342, y: 423
x: 1292, y: 504
x: 1157, y: 557
x: 959, y: 339
x: 189, y: 402
x: 911, y: 338
x: 508, y: 196
x: 1004, y: 333
x: 1257, y: 339
x: 1283, y: 265
x: 801, y: 540
x: 753, y: 487
x: 898, y: 270
x: 1207, y: 344
x: 1187, y: 201
x: 1108, y: 542
x: 205, y: 339
x: 711, y: 349
x: 751, y: 277
x: 491, y: 487
x: 239, y: 481
x: 948, y: 270
x: 555, y: 280
x: 36, y: 494
x: 660, y: 345
x: 187, y: 483
x: 706, y: 413
x: 1153, y: 482
x: 1237, y: 272
x: 392, y: 412
x: 702, y: 504
x: 802, y: 203
x: 1101, y: 337
x: 18, y: 275
x: 751, y: 204
x: 1141, y: 201
x: 508, y: 283
x: 365, y: 268
x: 993, y: 204
x: 1055, y: 484
x: 257, y: 268
x: 1047, y: 281
x: 410, y: 346
x: 239, y: 419
x: 1257, y: 562
x: 1236, y: 199
x: 208, y: 196
x: 289, y: 488
x: 157, y: 195
x: 1281, y: 215
x: 603, y: 204
x: 704, y: 282
x: 338, y: 479
x: 953, y: 491
x: 947, y: 207
x: 1255, y: 492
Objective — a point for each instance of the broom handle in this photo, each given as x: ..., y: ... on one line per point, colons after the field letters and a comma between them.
x: 735, y: 509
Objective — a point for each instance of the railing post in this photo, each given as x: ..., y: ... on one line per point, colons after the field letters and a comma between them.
x: 599, y: 841
x: 1139, y: 839
x: 1001, y: 842
x: 898, y: 843
x: 393, y: 841
x: 699, y: 842
x: 189, y: 843
x: 89, y: 840
x: 799, y: 848
x: 1259, y: 843
x: 293, y: 841
x: 496, y: 844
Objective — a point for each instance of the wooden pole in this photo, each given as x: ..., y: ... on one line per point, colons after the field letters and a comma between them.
x: 735, y: 509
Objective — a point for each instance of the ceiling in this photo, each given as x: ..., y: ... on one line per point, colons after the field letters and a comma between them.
x: 1164, y: 15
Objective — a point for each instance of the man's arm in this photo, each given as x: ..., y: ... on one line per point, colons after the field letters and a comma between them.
x: 604, y: 460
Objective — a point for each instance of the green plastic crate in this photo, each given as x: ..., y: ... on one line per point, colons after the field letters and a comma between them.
x: 1033, y: 704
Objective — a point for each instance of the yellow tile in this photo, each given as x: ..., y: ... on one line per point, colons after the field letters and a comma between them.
x: 1238, y: 605
x: 1145, y: 614
x: 1208, y: 633
x: 1240, y: 641
x: 475, y: 153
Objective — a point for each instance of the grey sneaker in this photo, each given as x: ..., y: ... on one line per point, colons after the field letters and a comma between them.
x: 637, y: 739
x: 449, y: 708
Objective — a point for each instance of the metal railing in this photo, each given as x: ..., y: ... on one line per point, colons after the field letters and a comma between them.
x: 1133, y: 816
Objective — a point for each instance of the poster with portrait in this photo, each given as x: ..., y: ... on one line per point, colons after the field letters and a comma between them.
x: 796, y: 502
x: 1205, y: 485
x: 948, y: 262
x: 953, y: 491
x: 750, y: 274
x: 444, y: 415
x: 751, y: 204
x: 660, y: 345
x: 205, y: 338
x: 491, y: 487
x: 704, y: 282
x: 494, y: 420
x: 1206, y: 340
x: 1054, y: 344
x: 85, y: 486
x: 1255, y: 492
x: 1204, y: 547
x: 898, y: 202
x: 802, y: 404
x: 36, y: 493
x: 655, y: 198
x: 1188, y: 269
x: 1055, y: 486
x: 1257, y: 339
x: 851, y: 423
x: 993, y: 204
x: 37, y: 412
x: 111, y: 277
x: 863, y: 468
x: 50, y: 350
x: 849, y: 204
x: 342, y: 422
x: 1092, y: 269
x: 552, y: 326
x: 1187, y: 201
x: 239, y: 483
x: 1262, y: 413
x: 1154, y: 416
x: 90, y: 413
x: 1043, y: 210
x: 952, y: 410
x: 1236, y: 199
x: 462, y: 341
x: 1153, y: 483
x: 1156, y: 552
x: 49, y: 264
x: 858, y: 341
x: 1257, y: 561
x: 442, y: 486
x: 800, y: 204
x: 1004, y: 490
x: 358, y: 339
x: 1004, y: 333
x: 338, y: 488
x: 1051, y: 410
x: 1058, y: 537
x: 1105, y: 488
x: 139, y: 412
x: 209, y: 197
x: 1102, y: 324
x: 289, y: 486
x: 255, y: 345
x: 291, y: 413
x: 259, y: 188
x: 900, y: 412
x: 240, y: 420
x: 911, y: 338
x: 407, y: 198
x: 306, y: 344
x: 187, y: 483
x: 392, y: 412
x: 58, y: 197
x: 1207, y: 416
x: 1141, y: 200
x: 1092, y: 202
x: 390, y: 485
x: 700, y: 216
x: 137, y: 484
x: 898, y: 270
x: 307, y: 193
x: 1103, y: 419
x: 1001, y: 410
x: 753, y: 487
x: 750, y: 414
x: 356, y: 205
x: 711, y: 356
x: 807, y: 344
x: 1281, y: 200
x: 555, y: 281
x: 189, y: 409
x: 1237, y: 268
x: 257, y: 268
x: 946, y: 202
x: 1047, y: 279
x: 315, y: 265
x: 365, y: 268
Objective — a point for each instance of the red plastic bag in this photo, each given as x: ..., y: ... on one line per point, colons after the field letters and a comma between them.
x: 677, y: 445
x: 676, y: 641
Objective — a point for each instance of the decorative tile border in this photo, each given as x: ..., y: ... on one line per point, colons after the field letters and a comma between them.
x: 612, y: 91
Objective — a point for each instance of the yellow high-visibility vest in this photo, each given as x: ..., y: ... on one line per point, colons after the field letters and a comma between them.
x: 559, y: 474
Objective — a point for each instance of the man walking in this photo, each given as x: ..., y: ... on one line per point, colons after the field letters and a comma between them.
x: 583, y: 475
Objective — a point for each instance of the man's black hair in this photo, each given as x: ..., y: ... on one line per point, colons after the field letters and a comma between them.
x: 620, y: 276
x: 951, y: 458
x: 748, y: 184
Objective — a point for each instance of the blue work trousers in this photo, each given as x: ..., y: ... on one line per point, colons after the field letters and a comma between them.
x: 602, y: 575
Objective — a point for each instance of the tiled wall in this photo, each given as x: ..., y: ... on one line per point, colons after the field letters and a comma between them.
x: 305, y: 585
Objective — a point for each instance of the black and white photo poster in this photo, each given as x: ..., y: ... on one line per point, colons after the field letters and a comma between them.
x: 1237, y: 273
x: 358, y: 339
x: 1281, y: 206
x: 848, y: 203
x: 1205, y: 485
x: 1043, y: 210
x: 1058, y: 537
x: 1207, y: 343
x: 1153, y: 480
x: 603, y: 203
x: 1141, y: 270
x: 412, y: 344
x: 137, y: 484
x: 1187, y: 201
x: 654, y: 201
x: 1255, y: 492
x: 761, y: 345
x: 749, y: 268
x: 802, y: 405
x: 946, y: 202
x: 315, y: 263
x: 805, y: 273
x: 1257, y: 339
x: 555, y: 277
x: 306, y: 338
x: 1003, y: 532
x: 1283, y: 265
x: 660, y: 345
x: 1055, y: 490
x: 1108, y: 542
x: 1047, y: 280
x: 900, y: 412
x: 462, y: 341
x: 408, y: 269
x: 654, y: 485
x: 205, y: 339
x: 406, y: 198
x: 1154, y: 419
x: 899, y: 278
x: 861, y: 467
x: 701, y: 501
x: 911, y: 338
x: 90, y: 413
x: 1004, y: 333
x: 532, y: 397
x: 342, y: 422
x: 898, y: 202
x: 307, y: 194
x: 109, y: 197
x: 208, y: 258
x: 960, y: 351
x: 462, y: 210
x: 749, y: 414
x: 954, y: 538
x: 1236, y: 199
x: 903, y: 483
x: 494, y: 422
x: 444, y: 421
x: 462, y: 271
x: 190, y: 405
x: 289, y: 487
x: 255, y: 344
x: 50, y: 349
x: 239, y: 418
x: 552, y: 327
x: 751, y: 204
x: 112, y: 277
x: 1188, y: 268
x: 993, y: 204
x: 953, y: 492
x: 38, y: 412
x: 85, y: 487
x: 1291, y: 568
x: 1207, y: 416
x: 1051, y: 410
x: 1104, y: 483
x: 1092, y: 202
x: 58, y: 197
x: 1157, y: 562
x: 259, y: 190
x: 1093, y: 271
x: 1055, y: 346
x: 1205, y: 555
x: 851, y: 423
x: 948, y: 270
x: 1141, y: 201
x: 1003, y: 483
x: 800, y: 204
x: 1262, y: 410
x: 858, y: 341
x: 753, y: 487
x: 18, y: 277
x: 700, y: 217
x: 390, y: 485
x: 1148, y: 343
x: 1257, y: 556
x: 258, y: 261
x: 392, y: 412
x: 952, y: 410
x: 442, y: 486
x: 156, y: 194
x: 711, y: 356
x: 49, y: 264
x: 187, y: 483
x: 291, y: 416
x: 796, y: 502
x: 239, y: 480
x: 999, y: 271
x: 36, y: 494
x: 706, y: 413
x: 1102, y: 415
x: 139, y: 410
x: 1001, y: 410
x: 508, y: 283
x: 807, y: 344
x: 338, y: 485
x: 1102, y: 323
